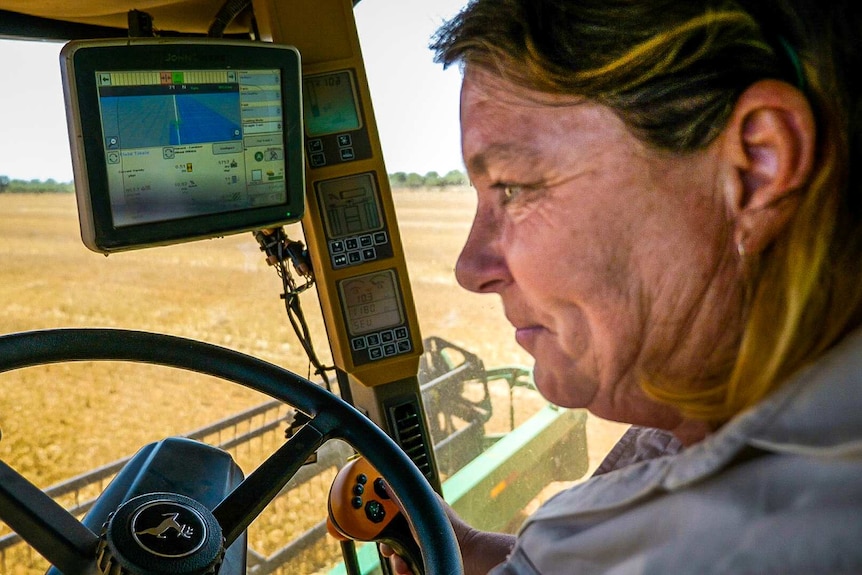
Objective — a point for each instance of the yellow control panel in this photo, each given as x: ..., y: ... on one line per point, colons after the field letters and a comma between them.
x: 350, y: 225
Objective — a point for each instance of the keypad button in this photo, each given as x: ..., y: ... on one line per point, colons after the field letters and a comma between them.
x: 380, y: 488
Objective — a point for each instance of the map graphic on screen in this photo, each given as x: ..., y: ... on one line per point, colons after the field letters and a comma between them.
x: 191, y: 142
x: 172, y: 119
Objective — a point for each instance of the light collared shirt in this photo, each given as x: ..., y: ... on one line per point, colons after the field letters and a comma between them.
x: 776, y: 490
x: 639, y: 444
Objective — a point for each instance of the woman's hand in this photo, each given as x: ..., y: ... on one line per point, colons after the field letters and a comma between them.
x: 480, y: 550
x: 396, y: 562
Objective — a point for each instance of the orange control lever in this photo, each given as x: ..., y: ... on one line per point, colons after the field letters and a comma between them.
x: 360, y: 508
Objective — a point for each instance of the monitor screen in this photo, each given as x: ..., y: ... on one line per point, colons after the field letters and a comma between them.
x: 330, y: 104
x: 349, y: 206
x: 177, y: 140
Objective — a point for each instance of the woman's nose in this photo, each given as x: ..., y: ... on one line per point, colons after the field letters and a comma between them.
x: 481, y: 267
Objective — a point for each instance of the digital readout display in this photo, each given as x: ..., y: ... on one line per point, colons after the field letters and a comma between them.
x: 330, y: 106
x: 371, y: 302
x: 349, y: 206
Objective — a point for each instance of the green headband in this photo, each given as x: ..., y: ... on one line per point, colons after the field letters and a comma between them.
x: 793, y: 56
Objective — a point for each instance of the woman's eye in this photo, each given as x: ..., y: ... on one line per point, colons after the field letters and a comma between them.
x: 511, y: 192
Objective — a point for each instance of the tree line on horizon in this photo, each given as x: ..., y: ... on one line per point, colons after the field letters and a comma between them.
x: 8, y: 185
x: 429, y: 180
x: 396, y: 180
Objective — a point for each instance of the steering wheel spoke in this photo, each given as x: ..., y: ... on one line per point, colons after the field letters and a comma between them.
x: 63, y: 540
x: 248, y: 500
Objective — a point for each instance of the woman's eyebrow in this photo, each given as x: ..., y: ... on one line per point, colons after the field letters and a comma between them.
x: 502, y: 152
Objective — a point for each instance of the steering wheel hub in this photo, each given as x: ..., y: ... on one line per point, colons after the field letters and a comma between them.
x: 161, y: 533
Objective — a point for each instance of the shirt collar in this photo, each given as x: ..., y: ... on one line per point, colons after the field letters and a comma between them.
x: 815, y: 413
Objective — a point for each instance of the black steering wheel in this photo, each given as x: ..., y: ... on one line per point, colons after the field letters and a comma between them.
x: 72, y: 547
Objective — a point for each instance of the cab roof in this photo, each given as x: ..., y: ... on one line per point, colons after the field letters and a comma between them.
x: 71, y: 19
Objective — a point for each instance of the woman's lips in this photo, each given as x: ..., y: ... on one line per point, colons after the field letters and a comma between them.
x: 527, y: 337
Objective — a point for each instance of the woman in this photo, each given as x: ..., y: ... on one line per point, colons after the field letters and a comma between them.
x: 669, y: 207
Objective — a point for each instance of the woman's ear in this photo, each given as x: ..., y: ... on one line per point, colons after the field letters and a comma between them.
x: 769, y: 142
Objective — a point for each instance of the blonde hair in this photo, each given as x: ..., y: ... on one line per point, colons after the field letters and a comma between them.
x: 673, y: 71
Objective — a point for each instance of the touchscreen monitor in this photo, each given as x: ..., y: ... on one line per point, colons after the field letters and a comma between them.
x: 177, y: 140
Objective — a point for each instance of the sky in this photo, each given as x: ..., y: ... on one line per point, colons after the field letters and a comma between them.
x: 415, y: 100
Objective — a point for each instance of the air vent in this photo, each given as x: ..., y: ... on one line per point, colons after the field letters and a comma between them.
x: 410, y: 435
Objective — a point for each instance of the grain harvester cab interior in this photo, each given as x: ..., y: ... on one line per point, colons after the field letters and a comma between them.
x: 268, y: 309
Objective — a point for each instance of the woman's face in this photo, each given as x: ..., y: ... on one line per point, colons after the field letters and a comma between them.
x: 612, y: 260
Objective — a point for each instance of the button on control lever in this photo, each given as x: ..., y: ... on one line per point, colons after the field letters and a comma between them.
x: 360, y: 508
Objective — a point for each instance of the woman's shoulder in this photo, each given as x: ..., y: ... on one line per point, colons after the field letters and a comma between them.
x: 778, y: 490
x: 767, y: 513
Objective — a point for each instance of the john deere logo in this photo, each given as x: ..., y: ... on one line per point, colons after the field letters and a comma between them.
x: 168, y: 529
